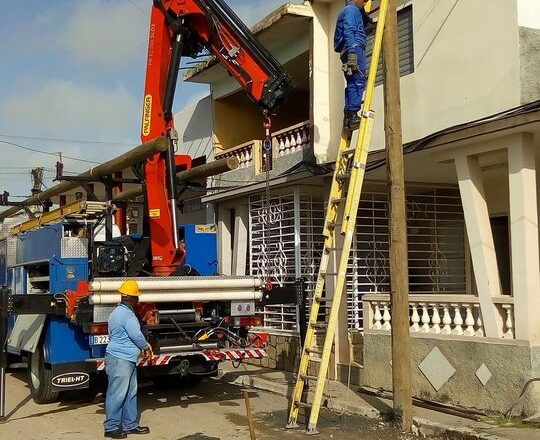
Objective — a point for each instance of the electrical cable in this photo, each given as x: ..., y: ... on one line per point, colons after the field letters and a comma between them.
x: 35, y: 150
x: 70, y: 141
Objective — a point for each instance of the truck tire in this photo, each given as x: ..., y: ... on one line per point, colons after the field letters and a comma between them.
x: 40, y: 378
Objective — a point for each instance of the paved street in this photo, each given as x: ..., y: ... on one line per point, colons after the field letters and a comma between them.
x: 211, y: 411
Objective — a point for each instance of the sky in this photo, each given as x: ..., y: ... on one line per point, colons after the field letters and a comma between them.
x: 72, y: 81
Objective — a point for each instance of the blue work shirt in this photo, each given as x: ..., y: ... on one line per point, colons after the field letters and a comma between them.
x: 126, y: 338
x: 350, y: 28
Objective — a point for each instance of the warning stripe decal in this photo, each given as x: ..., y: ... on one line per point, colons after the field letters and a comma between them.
x: 209, y: 355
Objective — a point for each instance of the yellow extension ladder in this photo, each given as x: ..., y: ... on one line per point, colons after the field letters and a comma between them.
x: 346, y: 188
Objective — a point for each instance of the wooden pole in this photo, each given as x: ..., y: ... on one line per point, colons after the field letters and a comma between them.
x: 201, y: 172
x: 399, y: 277
x: 249, y: 417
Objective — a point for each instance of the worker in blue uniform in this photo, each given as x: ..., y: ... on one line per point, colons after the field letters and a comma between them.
x: 125, y: 345
x: 350, y: 43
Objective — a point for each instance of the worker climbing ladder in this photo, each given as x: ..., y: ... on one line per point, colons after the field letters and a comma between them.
x: 343, y: 202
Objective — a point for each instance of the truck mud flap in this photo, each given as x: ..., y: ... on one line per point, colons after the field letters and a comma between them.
x: 72, y: 376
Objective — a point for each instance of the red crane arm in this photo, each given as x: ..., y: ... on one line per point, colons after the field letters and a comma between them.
x: 186, y: 28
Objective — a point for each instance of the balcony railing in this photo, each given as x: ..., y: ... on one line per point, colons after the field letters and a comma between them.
x: 287, y: 141
x: 292, y: 139
x: 458, y: 315
x: 245, y: 153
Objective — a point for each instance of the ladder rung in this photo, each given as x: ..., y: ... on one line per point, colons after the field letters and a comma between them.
x: 328, y: 249
x: 343, y: 176
x: 320, y: 300
x: 336, y: 200
x: 333, y: 224
x: 319, y: 325
x: 347, y: 152
x: 308, y: 377
x: 302, y: 404
x: 314, y: 350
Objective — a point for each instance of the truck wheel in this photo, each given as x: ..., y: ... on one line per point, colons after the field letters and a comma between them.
x: 40, y: 379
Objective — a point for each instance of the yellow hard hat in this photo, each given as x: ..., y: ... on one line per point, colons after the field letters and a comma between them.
x: 129, y: 288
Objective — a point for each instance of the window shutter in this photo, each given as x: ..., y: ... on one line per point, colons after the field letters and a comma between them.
x: 405, y: 41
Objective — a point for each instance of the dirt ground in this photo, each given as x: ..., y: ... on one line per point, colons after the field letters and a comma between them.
x: 213, y: 410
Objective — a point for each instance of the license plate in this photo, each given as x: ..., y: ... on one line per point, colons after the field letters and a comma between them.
x: 240, y: 308
x: 98, y: 339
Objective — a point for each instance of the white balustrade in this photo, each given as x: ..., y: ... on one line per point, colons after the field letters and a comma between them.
x: 415, y: 319
x: 439, y: 314
x: 425, y: 319
x: 287, y: 141
x: 447, y: 320
x: 469, y: 321
x: 386, y: 317
x: 292, y: 139
x: 378, y: 317
x: 508, y: 322
x: 458, y: 320
x: 244, y: 154
x: 435, y: 319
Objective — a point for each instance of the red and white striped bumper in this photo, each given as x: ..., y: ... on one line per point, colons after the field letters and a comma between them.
x: 209, y: 355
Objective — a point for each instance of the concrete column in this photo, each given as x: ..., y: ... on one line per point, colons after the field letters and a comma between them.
x: 524, y: 239
x: 224, y: 241
x: 239, y: 255
x: 320, y: 82
x: 480, y: 238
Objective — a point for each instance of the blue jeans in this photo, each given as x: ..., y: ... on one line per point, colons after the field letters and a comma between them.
x: 356, y: 83
x: 121, y: 401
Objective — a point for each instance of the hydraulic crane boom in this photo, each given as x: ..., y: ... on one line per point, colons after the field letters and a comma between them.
x: 185, y: 28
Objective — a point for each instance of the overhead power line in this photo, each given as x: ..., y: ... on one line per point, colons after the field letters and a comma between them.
x: 25, y: 168
x: 70, y: 141
x: 48, y: 152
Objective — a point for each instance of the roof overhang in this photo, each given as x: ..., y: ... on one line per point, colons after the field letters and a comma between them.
x: 430, y: 159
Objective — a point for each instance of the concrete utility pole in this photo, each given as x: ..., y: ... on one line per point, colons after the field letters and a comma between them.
x: 399, y: 270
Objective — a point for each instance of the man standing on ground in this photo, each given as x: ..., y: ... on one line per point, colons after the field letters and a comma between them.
x: 350, y: 43
x: 126, y: 344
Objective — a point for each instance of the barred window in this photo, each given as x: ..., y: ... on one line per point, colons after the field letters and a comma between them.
x: 286, y: 243
x: 436, y: 246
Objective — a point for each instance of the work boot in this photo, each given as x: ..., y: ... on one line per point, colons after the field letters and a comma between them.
x: 117, y: 433
x: 352, y: 120
x: 139, y: 430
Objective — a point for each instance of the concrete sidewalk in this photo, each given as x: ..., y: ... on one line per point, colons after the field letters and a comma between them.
x: 340, y: 399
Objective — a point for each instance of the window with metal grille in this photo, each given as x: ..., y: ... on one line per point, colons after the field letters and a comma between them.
x: 405, y: 41
x: 436, y: 246
x: 436, y: 236
x: 286, y: 243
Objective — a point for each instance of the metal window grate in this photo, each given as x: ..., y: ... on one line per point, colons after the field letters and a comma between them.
x: 436, y: 246
x: 436, y: 236
x: 293, y: 234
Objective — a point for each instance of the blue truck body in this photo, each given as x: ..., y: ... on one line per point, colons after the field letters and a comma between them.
x: 48, y: 260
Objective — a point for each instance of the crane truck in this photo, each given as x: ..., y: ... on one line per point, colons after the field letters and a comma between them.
x: 62, y: 270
